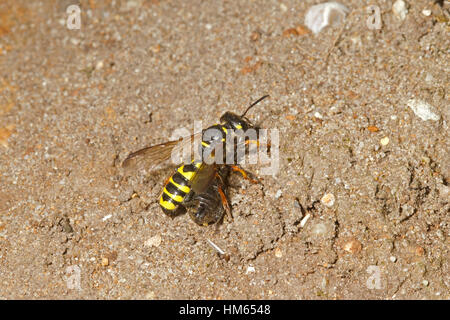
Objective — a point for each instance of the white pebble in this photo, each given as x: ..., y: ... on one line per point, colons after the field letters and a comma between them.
x: 99, y: 65
x: 250, y: 268
x: 319, y: 229
x: 154, y: 241
x: 425, y: 283
x: 278, y: 194
x: 324, y: 14
x: 399, y: 9
x: 304, y: 220
x: 384, y: 141
x: 328, y: 200
x: 107, y: 217
x: 318, y: 115
x: 393, y: 259
x: 423, y: 110
x: 426, y: 12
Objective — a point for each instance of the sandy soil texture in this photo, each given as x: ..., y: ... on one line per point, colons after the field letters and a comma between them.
x: 358, y: 210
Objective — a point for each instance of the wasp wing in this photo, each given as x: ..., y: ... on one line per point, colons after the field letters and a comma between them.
x: 152, y: 156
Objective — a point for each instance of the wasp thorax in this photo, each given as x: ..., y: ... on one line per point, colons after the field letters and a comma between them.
x: 233, y: 121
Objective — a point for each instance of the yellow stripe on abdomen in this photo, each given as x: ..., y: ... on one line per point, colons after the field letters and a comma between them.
x: 185, y: 189
x: 175, y: 198
x: 166, y: 204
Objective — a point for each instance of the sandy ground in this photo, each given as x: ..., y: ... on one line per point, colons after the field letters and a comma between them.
x: 74, y: 103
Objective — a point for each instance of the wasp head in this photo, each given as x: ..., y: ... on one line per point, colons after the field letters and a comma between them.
x: 235, y: 122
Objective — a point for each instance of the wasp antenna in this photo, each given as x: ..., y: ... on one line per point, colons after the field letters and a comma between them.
x: 254, y: 103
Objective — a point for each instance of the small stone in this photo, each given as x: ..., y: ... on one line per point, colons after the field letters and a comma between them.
x: 423, y: 110
x: 278, y: 253
x: 318, y: 115
x: 319, y: 229
x: 154, y: 241
x: 429, y: 78
x: 440, y: 234
x: 353, y: 246
x: 156, y: 48
x: 321, y: 15
x: 105, y: 262
x: 393, y: 259
x: 399, y: 9
x: 250, y: 269
x: 283, y: 7
x: 425, y: 283
x: 328, y: 200
x: 255, y: 35
x: 208, y: 26
x: 278, y: 194
x: 426, y: 12
x: 99, y: 65
x: 420, y: 251
x: 384, y: 141
x: 304, y: 220
x: 444, y: 191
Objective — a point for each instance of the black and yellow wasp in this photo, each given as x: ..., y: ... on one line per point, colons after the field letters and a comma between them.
x: 197, y: 186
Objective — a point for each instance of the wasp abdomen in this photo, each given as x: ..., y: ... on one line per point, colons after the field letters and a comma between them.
x: 177, y: 189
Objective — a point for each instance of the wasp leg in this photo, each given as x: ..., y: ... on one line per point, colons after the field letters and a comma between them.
x: 268, y: 145
x: 223, y: 197
x: 244, y: 174
x: 225, y: 204
x: 247, y: 142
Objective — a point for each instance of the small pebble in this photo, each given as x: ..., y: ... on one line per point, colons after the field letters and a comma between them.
x: 384, y: 141
x: 393, y: 259
x: 154, y: 241
x: 425, y: 283
x: 250, y: 268
x: 353, y: 246
x: 429, y: 78
x: 99, y: 65
x: 319, y: 229
x: 304, y: 220
x: 105, y: 261
x: 278, y: 194
x: 399, y: 9
x: 423, y: 110
x: 426, y: 12
x: 278, y: 253
x: 321, y: 15
x: 420, y: 251
x: 318, y: 115
x: 328, y: 200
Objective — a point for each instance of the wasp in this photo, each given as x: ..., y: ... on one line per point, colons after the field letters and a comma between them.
x: 198, y: 186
